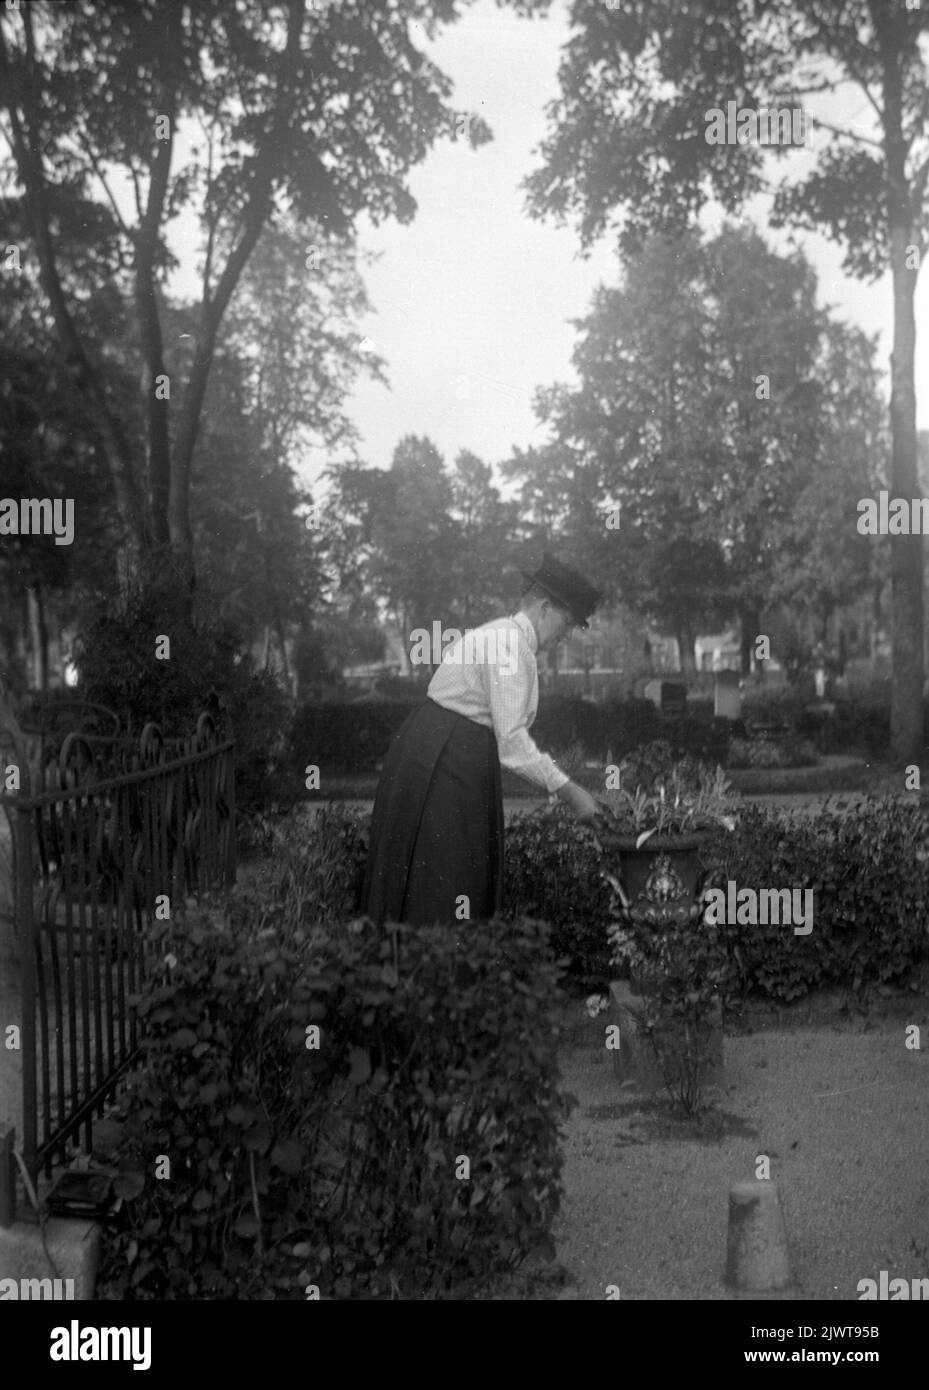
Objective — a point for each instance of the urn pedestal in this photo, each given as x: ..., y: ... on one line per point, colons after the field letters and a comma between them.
x: 659, y: 886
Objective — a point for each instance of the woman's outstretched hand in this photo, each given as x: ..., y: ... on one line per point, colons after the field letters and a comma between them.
x: 585, y: 807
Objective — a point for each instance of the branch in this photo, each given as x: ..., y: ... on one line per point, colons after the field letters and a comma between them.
x: 137, y: 188
x: 918, y: 122
x: 840, y: 40
x: 88, y: 151
x: 851, y: 134
x: 266, y: 168
x: 920, y: 179
x: 211, y: 223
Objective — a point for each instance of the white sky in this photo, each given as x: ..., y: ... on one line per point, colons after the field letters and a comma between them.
x: 473, y: 298
x: 474, y: 288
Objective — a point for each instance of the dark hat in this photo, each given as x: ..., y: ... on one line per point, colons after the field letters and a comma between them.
x: 566, y: 587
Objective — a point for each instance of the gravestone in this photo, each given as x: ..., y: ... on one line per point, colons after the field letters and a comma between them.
x: 727, y: 696
x: 670, y: 697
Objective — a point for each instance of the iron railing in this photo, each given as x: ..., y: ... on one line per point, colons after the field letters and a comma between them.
x: 98, y: 834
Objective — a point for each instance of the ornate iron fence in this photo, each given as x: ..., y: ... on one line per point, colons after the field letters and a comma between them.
x: 99, y: 833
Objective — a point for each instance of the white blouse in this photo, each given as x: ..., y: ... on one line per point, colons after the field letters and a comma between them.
x: 490, y: 675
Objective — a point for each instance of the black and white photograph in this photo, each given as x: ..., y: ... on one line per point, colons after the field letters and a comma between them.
x: 464, y: 683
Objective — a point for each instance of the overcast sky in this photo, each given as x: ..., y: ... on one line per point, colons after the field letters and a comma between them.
x: 473, y: 299
x: 474, y: 289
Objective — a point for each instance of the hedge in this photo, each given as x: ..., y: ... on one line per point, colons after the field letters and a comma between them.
x: 867, y: 866
x: 869, y: 873
x: 408, y: 1149
x: 353, y: 738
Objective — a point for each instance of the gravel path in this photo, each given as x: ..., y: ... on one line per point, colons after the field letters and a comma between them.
x: 843, y: 1112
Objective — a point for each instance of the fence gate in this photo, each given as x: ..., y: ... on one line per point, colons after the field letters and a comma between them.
x: 97, y: 831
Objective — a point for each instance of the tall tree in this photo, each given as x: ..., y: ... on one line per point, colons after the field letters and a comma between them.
x: 320, y: 108
x: 47, y: 452
x: 485, y: 530
x: 398, y: 532
x: 707, y: 416
x: 639, y: 81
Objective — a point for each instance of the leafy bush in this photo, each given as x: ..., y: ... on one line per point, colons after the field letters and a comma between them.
x: 867, y: 867
x: 315, y: 867
x: 117, y: 666
x: 654, y: 765
x: 337, y: 1166
x: 345, y: 737
x: 552, y: 871
x: 681, y: 976
x: 765, y: 752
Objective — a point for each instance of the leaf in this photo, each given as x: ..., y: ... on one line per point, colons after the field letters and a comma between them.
x: 379, y: 1080
x: 258, y: 1138
x: 288, y: 1156
x: 107, y: 1135
x: 360, y: 1065
x: 130, y: 1184
x: 646, y: 834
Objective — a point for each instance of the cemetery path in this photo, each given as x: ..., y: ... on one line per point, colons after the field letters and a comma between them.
x: 841, y: 1109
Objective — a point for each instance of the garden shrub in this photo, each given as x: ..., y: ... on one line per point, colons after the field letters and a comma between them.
x: 867, y: 867
x: 681, y: 975
x: 316, y: 866
x: 117, y: 667
x: 337, y: 1166
x: 348, y: 738
x: 768, y: 752
x: 552, y: 871
x: 868, y: 870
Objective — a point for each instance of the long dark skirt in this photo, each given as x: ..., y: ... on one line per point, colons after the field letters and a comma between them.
x: 437, y: 825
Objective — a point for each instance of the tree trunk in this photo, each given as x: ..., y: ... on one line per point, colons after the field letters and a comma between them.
x: 906, y: 560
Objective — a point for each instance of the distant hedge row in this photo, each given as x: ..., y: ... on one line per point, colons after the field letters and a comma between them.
x: 353, y: 738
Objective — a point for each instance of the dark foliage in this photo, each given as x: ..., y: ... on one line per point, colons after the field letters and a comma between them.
x: 335, y: 1162
x: 118, y: 666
